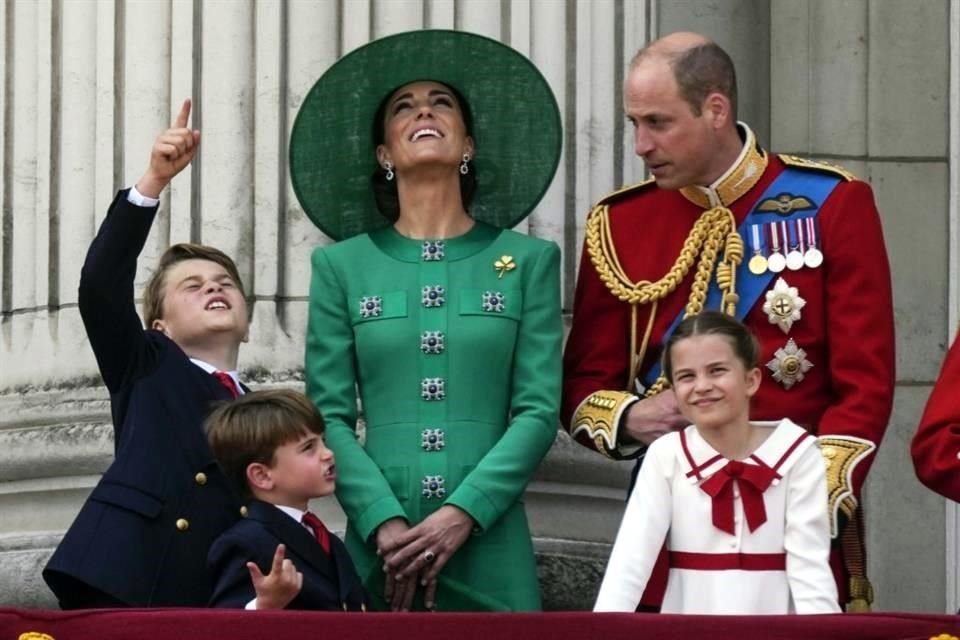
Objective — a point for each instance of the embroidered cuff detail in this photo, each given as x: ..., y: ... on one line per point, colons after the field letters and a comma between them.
x: 598, y: 419
x: 842, y: 454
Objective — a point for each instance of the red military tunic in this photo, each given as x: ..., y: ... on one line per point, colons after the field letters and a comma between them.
x: 936, y: 446
x: 845, y: 327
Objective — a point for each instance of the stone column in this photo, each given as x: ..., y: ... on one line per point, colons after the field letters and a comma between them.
x: 89, y: 86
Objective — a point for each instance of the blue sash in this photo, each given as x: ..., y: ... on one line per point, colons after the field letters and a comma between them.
x: 815, y: 186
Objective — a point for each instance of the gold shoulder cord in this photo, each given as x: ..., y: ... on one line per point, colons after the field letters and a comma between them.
x: 713, y: 227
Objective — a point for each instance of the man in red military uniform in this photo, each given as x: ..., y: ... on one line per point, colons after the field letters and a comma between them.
x: 792, y: 247
x: 936, y: 445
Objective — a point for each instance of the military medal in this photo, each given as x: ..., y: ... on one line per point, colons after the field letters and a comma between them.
x: 776, y: 262
x: 783, y: 305
x: 813, y: 258
x: 789, y: 364
x: 758, y: 263
x: 795, y: 257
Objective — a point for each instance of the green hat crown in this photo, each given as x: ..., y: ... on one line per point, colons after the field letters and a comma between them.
x: 516, y: 127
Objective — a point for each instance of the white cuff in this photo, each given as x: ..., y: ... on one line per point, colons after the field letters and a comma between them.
x: 252, y: 605
x: 137, y: 198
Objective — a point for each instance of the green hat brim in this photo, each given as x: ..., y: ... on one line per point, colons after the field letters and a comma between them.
x: 516, y: 127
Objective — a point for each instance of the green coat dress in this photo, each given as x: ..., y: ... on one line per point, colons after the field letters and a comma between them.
x: 457, y: 363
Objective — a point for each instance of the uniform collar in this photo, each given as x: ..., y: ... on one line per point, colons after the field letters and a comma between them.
x: 742, y: 175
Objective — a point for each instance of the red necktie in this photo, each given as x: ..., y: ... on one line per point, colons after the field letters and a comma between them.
x: 319, y: 530
x: 227, y: 381
x: 752, y: 479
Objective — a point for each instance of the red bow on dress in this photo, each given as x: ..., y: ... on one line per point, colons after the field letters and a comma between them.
x: 753, y: 481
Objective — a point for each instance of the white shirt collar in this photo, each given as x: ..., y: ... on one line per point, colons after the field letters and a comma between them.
x: 293, y: 512
x: 209, y: 368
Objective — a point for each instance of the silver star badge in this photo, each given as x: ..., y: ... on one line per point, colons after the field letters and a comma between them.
x: 783, y: 305
x: 789, y: 364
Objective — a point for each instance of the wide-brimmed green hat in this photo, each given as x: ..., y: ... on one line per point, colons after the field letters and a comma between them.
x: 516, y: 127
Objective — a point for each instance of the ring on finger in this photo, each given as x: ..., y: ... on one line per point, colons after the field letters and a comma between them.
x: 429, y: 556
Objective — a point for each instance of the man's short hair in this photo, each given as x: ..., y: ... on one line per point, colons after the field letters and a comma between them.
x: 252, y: 427
x: 698, y: 71
x: 153, y: 295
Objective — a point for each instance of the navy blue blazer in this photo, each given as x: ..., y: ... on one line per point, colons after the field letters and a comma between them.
x: 143, y: 534
x: 330, y: 581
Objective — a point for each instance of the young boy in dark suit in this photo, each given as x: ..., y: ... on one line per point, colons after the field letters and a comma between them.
x: 142, y: 536
x: 270, y: 446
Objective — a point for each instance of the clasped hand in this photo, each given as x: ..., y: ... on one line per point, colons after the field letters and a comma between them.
x: 416, y: 555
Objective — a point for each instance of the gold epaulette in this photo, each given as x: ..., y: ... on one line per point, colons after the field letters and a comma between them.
x: 842, y: 454
x: 817, y: 165
x: 622, y: 191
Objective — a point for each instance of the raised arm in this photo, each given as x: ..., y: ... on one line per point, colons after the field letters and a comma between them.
x: 106, y: 295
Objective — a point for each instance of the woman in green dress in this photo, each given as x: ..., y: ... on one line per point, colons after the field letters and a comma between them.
x: 447, y: 323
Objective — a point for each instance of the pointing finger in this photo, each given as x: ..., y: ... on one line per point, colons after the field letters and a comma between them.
x: 184, y: 114
x: 278, y: 559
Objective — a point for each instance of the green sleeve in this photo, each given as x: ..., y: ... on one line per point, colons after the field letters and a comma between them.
x: 502, y: 475
x: 331, y: 384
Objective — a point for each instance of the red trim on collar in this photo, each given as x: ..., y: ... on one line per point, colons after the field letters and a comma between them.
x: 796, y: 443
x: 694, y: 468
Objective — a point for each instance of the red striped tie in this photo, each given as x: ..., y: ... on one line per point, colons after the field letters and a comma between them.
x: 319, y: 530
x: 227, y: 381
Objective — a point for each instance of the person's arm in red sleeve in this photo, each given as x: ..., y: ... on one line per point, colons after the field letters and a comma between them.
x: 860, y: 341
x: 936, y: 445
x: 595, y: 364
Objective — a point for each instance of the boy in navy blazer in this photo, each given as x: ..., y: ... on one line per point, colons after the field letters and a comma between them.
x: 142, y: 536
x: 270, y: 446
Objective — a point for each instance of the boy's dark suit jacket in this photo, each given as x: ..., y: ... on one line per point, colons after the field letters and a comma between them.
x: 330, y: 581
x: 143, y: 534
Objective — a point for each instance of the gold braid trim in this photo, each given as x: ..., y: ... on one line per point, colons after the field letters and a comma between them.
x: 598, y: 419
x: 714, y: 228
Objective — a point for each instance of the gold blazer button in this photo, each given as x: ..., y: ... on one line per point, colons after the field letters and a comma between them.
x: 182, y: 524
x: 200, y: 478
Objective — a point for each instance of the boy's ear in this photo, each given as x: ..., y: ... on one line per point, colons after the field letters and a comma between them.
x: 158, y: 325
x: 258, y: 476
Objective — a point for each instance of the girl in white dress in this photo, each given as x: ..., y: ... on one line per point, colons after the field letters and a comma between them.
x: 741, y: 506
